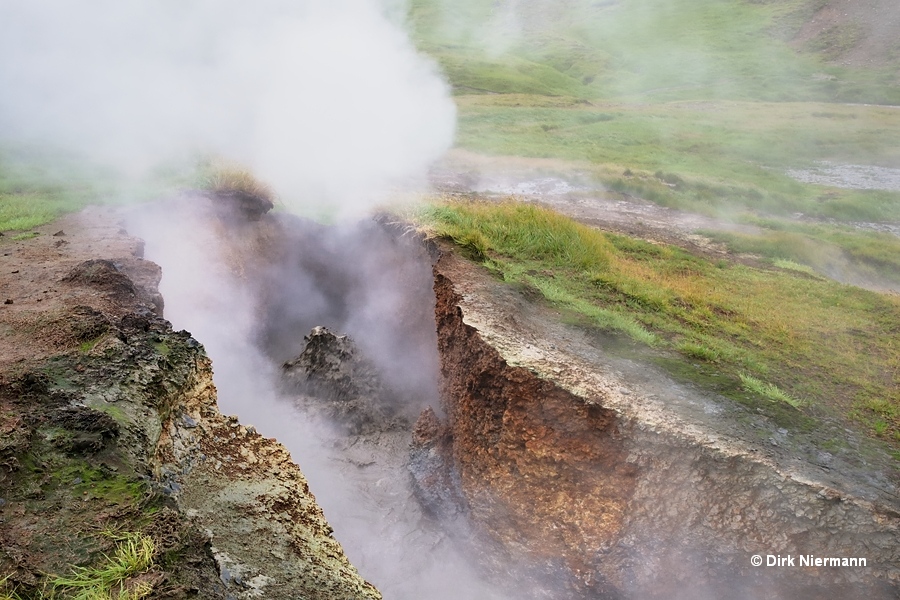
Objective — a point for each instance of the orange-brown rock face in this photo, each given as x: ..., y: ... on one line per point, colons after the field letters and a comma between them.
x: 539, y: 466
x: 603, y: 479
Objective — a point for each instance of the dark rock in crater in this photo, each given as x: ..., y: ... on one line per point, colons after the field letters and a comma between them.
x: 343, y: 384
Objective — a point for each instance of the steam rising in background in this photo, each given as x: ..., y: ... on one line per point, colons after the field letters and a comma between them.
x: 251, y: 312
x: 328, y: 102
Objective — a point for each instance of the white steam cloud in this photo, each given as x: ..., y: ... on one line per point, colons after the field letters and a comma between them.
x: 327, y: 101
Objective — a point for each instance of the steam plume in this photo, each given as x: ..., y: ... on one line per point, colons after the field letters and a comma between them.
x: 327, y: 101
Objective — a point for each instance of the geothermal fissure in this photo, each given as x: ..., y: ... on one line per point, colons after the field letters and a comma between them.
x: 463, y: 443
x: 273, y: 301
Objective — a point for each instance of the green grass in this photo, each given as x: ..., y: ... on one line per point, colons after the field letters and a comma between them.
x: 768, y: 390
x: 821, y: 249
x: 652, y: 50
x: 778, y: 335
x: 700, y: 105
x: 8, y: 592
x: 697, y: 351
x: 107, y: 581
x: 712, y: 157
x: 110, y: 580
x: 696, y: 104
x: 790, y: 265
x: 37, y: 186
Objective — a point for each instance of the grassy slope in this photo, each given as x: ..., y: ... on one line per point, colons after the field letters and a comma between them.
x: 37, y: 185
x: 702, y: 105
x: 652, y: 50
x: 696, y: 104
x: 827, y: 350
x: 35, y: 189
x: 727, y: 155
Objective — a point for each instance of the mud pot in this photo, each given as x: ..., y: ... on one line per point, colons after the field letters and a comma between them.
x: 463, y: 443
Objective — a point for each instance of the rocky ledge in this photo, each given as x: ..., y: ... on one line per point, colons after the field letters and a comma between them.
x: 608, y: 479
x: 109, y: 424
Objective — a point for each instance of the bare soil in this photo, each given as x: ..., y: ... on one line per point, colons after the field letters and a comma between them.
x: 37, y: 297
x: 859, y: 33
x: 71, y: 468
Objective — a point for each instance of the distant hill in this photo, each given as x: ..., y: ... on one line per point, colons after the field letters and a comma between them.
x: 774, y: 50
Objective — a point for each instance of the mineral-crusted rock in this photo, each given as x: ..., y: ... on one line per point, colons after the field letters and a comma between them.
x: 108, y: 419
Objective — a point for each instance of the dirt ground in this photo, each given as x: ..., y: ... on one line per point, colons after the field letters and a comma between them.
x: 35, y: 297
x: 863, y: 33
x: 73, y: 476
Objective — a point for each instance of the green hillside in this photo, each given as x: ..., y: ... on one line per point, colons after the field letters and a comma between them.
x: 702, y: 105
x: 647, y: 50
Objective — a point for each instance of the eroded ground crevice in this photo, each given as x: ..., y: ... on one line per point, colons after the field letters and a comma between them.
x: 549, y: 468
x: 557, y: 468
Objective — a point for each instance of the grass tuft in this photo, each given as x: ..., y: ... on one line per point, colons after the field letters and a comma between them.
x: 231, y: 179
x: 768, y: 390
x: 699, y: 352
x: 109, y: 581
x: 522, y: 231
x: 790, y: 265
x: 6, y: 591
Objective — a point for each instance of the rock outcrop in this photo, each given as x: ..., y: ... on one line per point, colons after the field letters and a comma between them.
x: 626, y: 485
x: 332, y: 378
x: 109, y: 422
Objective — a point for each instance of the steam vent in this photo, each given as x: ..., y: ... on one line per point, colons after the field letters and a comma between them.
x: 450, y: 300
x: 543, y: 465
